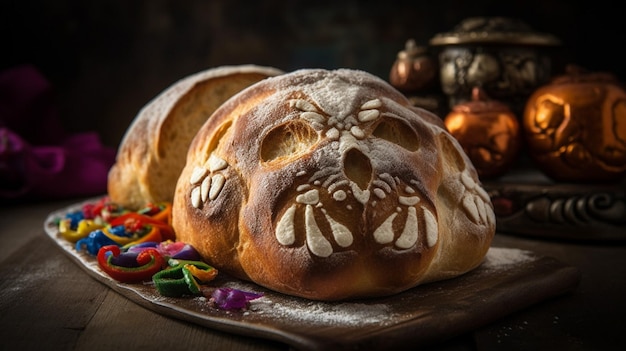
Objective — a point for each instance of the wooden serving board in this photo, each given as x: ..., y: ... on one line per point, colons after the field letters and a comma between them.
x: 507, y: 281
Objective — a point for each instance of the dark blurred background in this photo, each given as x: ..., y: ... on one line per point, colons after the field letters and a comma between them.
x: 106, y: 59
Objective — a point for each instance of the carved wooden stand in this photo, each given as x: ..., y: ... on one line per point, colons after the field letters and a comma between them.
x: 527, y: 203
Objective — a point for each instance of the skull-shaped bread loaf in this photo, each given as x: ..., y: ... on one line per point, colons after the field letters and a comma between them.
x: 329, y: 185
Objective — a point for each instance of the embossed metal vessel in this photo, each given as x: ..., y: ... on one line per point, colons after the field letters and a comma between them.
x: 488, y: 131
x: 503, y: 56
x: 576, y: 127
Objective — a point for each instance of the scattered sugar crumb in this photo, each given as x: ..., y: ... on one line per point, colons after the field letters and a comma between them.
x: 498, y: 257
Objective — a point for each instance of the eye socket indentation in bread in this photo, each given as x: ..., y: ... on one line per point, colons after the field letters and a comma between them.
x: 450, y: 152
x: 398, y: 132
x: 214, y: 142
x: 287, y: 141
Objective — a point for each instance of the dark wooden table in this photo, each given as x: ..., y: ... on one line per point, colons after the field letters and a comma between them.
x: 48, y: 302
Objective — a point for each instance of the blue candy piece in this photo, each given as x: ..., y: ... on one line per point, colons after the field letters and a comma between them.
x: 94, y: 241
x: 75, y: 218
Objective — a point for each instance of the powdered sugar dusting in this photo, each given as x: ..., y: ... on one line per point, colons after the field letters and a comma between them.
x: 344, y: 314
x: 499, y: 257
x: 331, y: 91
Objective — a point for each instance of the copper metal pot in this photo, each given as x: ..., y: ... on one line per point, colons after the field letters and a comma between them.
x: 488, y: 131
x: 414, y: 69
x: 575, y: 127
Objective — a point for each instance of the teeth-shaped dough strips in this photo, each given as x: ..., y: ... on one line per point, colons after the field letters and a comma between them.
x: 329, y: 185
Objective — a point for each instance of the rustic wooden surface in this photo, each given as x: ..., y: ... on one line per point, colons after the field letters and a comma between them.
x: 47, y: 301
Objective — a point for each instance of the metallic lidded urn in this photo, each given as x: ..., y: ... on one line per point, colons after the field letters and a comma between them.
x: 575, y: 127
x: 488, y: 131
x: 503, y: 56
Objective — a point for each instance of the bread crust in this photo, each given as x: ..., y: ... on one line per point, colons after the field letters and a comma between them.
x: 329, y: 185
x: 152, y: 152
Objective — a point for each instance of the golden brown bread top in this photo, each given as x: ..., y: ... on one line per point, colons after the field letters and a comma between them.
x: 329, y: 185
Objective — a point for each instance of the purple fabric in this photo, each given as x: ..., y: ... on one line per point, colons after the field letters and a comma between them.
x: 38, y: 158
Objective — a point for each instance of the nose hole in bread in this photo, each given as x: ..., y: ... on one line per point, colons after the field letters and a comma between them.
x: 397, y: 132
x: 288, y: 141
x: 357, y: 168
